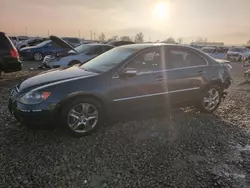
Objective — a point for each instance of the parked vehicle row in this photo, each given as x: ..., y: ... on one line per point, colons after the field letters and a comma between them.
x: 73, y: 56
x: 126, y: 79
x: 232, y: 54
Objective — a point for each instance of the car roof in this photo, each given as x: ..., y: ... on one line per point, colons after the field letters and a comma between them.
x: 208, y: 47
x: 148, y: 45
x: 98, y: 44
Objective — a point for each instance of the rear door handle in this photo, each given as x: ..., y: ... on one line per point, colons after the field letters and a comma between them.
x: 200, y: 72
x: 160, y: 78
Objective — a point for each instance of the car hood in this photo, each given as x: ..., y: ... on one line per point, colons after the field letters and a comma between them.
x: 62, y: 43
x: 54, y: 76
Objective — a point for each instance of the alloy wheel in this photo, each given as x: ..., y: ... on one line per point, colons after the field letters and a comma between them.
x: 83, y: 117
x: 211, y: 99
x: 38, y: 56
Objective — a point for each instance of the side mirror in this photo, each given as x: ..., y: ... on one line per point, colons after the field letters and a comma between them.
x: 128, y: 72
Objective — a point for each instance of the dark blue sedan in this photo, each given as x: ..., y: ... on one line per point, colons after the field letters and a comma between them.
x: 40, y: 51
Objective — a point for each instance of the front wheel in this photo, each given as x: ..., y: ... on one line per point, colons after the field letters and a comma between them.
x: 81, y: 116
x: 210, y: 100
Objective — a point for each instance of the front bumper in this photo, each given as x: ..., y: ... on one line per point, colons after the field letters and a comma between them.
x: 40, y: 116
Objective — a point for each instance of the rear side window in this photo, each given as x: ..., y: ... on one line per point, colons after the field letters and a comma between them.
x: 181, y: 58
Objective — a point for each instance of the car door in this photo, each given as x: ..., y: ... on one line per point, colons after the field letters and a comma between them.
x: 183, y: 76
x: 137, y: 93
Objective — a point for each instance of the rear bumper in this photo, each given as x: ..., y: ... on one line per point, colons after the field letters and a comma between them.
x: 227, y: 83
x: 12, y: 66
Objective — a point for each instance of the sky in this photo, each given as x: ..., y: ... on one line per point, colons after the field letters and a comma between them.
x: 225, y: 21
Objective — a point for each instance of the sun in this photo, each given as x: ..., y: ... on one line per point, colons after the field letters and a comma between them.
x: 161, y: 10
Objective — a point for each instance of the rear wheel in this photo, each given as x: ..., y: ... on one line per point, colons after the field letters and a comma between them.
x: 38, y: 56
x: 82, y: 116
x: 210, y: 99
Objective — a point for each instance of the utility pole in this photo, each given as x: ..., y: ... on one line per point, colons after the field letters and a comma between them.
x: 79, y: 33
x: 94, y: 35
x: 149, y: 39
x: 48, y: 33
x: 26, y: 31
x: 91, y: 34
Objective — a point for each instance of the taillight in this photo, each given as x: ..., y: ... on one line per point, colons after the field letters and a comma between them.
x: 14, y: 53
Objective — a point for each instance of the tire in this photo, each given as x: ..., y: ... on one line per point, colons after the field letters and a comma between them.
x: 239, y: 59
x: 204, y: 106
x: 80, y: 126
x: 38, y: 56
x: 72, y: 63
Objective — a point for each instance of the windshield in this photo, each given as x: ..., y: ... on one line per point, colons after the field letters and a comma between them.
x: 207, y: 50
x: 237, y: 49
x: 44, y: 43
x: 81, y: 48
x: 108, y: 60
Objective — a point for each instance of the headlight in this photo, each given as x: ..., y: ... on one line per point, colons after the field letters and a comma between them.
x: 35, y: 97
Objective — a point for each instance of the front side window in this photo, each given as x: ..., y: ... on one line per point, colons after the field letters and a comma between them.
x: 181, y: 58
x: 147, y: 61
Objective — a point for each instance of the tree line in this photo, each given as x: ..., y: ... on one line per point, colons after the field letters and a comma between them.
x: 139, y: 37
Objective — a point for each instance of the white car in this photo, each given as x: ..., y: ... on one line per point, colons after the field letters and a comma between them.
x: 79, y: 54
x: 26, y: 43
x: 238, y: 53
x: 215, y: 52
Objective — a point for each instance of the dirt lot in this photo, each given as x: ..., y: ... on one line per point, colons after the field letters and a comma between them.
x: 180, y: 149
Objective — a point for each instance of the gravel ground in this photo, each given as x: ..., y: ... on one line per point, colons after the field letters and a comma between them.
x: 180, y: 149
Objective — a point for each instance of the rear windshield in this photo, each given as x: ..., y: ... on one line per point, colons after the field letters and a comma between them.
x: 5, y: 42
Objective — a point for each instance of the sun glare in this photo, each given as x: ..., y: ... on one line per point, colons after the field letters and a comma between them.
x: 161, y: 10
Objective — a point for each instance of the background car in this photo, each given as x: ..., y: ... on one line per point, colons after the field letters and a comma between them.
x: 73, y: 41
x: 79, y: 54
x: 30, y: 42
x: 120, y: 43
x: 39, y: 51
x: 215, y: 52
x: 238, y: 53
x: 127, y: 79
x: 9, y: 57
x: 14, y: 40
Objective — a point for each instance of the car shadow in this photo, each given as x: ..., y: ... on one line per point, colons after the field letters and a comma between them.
x: 200, y: 146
